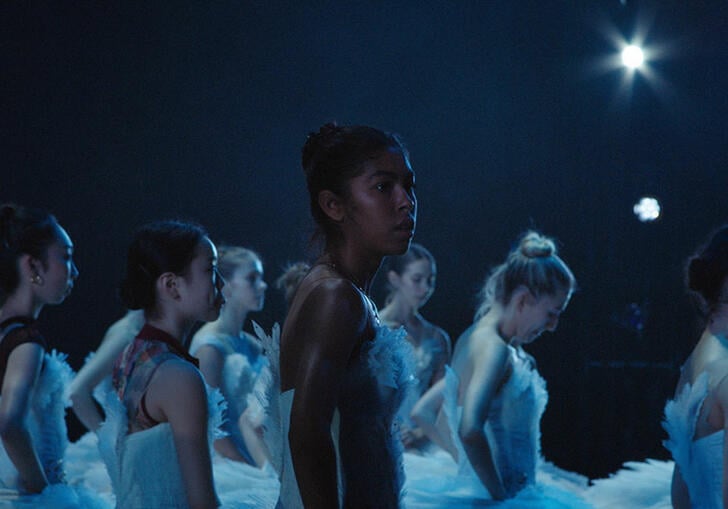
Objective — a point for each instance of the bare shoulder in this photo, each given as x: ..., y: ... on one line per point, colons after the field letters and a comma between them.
x: 25, y: 359
x: 334, y: 304
x: 439, y: 335
x: 207, y: 332
x: 488, y: 347
x: 176, y: 393
x: 437, y: 338
x: 718, y: 373
x: 177, y: 375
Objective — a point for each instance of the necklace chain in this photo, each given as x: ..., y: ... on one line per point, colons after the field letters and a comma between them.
x: 372, y: 306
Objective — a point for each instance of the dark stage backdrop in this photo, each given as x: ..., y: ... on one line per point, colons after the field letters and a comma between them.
x: 116, y: 113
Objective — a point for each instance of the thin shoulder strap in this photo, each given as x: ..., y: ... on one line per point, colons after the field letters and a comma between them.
x: 315, y: 284
x: 10, y: 328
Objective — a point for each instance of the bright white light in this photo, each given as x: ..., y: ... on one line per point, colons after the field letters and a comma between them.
x: 647, y: 209
x: 632, y: 56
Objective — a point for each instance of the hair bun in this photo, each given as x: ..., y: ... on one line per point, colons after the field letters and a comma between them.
x: 697, y: 274
x: 7, y: 214
x: 707, y: 270
x: 535, y: 245
x: 317, y: 143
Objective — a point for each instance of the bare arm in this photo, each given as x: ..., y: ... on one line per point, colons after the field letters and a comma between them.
x: 177, y: 395
x: 425, y: 415
x: 212, y: 362
x: 251, y: 428
x: 443, y: 357
x: 330, y: 325
x: 94, y: 371
x: 24, y: 366
x: 489, y: 368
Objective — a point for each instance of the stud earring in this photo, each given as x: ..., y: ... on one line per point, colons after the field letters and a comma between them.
x: 36, y: 279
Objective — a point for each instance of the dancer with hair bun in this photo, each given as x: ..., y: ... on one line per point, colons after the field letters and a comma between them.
x: 342, y: 374
x: 36, y: 269
x: 486, y: 410
x: 411, y: 283
x: 158, y: 431
x: 697, y: 418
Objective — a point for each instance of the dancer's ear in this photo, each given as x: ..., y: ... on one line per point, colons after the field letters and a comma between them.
x: 332, y: 205
x: 167, y: 286
x: 522, y: 297
x: 393, y: 279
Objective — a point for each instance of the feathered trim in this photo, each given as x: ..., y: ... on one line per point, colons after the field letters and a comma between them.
x: 266, y: 393
x: 392, y: 361
x: 111, y: 434
x: 638, y: 484
x: 681, y: 417
x: 216, y: 406
x: 48, y: 427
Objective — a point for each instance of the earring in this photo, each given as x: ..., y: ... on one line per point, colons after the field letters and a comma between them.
x: 36, y: 279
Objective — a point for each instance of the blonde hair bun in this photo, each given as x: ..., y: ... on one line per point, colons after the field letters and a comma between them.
x: 535, y: 245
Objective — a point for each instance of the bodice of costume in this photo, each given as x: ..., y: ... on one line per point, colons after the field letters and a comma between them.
x: 132, y: 374
x: 425, y: 356
x: 513, y: 423
x: 140, y: 454
x: 369, y: 453
x: 242, y: 367
x: 424, y: 359
x: 701, y: 460
x: 45, y: 420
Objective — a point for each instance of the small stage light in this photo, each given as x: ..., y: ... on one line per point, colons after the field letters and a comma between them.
x: 632, y: 56
x: 647, y: 209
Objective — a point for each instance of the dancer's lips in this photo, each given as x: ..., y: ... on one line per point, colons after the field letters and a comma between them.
x: 408, y: 225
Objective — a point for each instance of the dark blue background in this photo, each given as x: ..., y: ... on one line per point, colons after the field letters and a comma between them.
x: 118, y: 113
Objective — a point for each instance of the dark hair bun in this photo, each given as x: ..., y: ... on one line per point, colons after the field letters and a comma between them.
x: 157, y: 248
x: 698, y: 275
x: 708, y: 268
x: 334, y: 155
x: 317, y: 144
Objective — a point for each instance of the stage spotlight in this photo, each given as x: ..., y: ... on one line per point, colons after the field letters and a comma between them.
x: 632, y: 56
x: 647, y: 209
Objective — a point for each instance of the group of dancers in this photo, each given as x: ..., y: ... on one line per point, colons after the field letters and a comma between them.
x: 345, y: 405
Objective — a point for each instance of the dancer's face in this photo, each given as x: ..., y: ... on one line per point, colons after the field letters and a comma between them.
x: 381, y: 208
x: 416, y: 284
x: 246, y: 287
x: 541, y: 314
x: 200, y: 286
x: 57, y: 272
